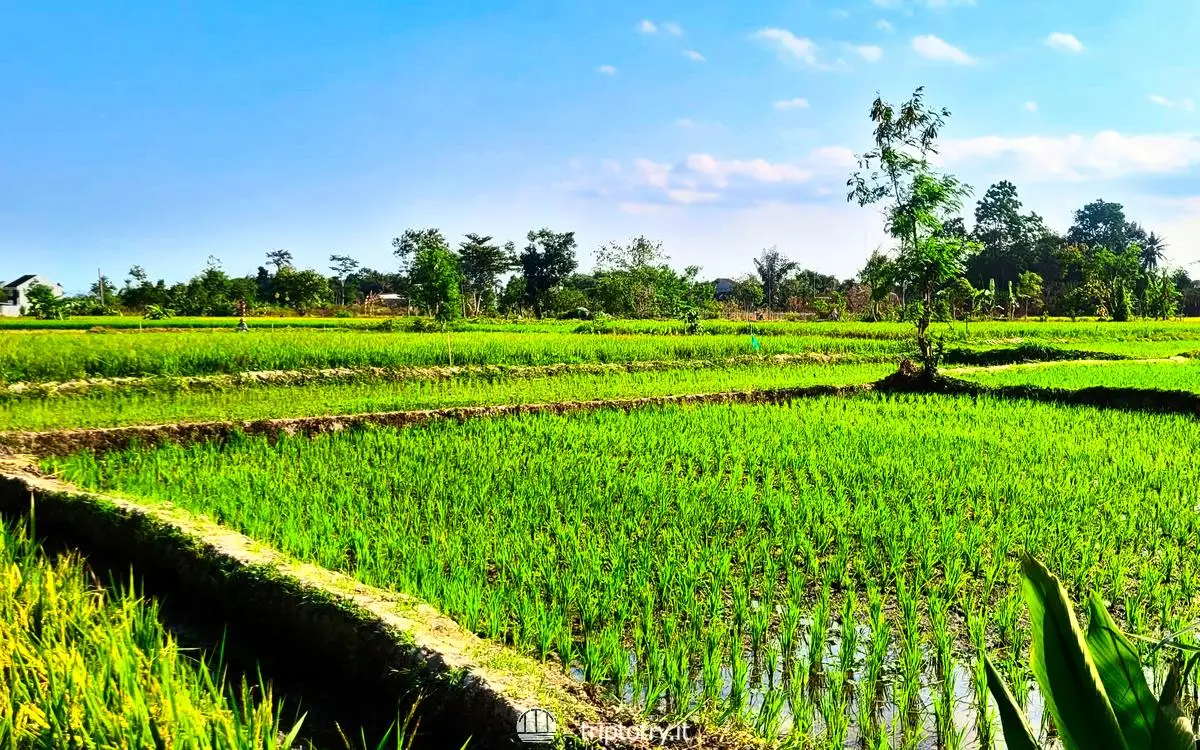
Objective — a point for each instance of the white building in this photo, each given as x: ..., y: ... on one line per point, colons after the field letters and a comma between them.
x: 15, y: 295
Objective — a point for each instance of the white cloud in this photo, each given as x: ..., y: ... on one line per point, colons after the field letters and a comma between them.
x: 718, y: 173
x: 685, y: 122
x: 647, y: 27
x: 939, y: 4
x: 869, y: 52
x: 692, y: 54
x: 1075, y: 158
x: 607, y: 70
x: 798, y: 103
x: 885, y: 26
x: 1066, y: 42
x: 934, y: 48
x: 890, y: 4
x: 1030, y: 106
x: 798, y: 48
x: 839, y: 14
x: 692, y: 196
x: 832, y: 157
x: 1162, y: 101
x: 673, y: 28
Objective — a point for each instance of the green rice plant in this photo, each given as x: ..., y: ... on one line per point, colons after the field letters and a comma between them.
x: 848, y: 643
x: 82, y: 666
x: 652, y: 522
x: 817, y: 633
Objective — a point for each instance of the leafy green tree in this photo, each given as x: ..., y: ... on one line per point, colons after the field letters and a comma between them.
x: 406, y: 246
x: 879, y: 274
x: 772, y: 268
x: 45, y: 304
x: 546, y: 262
x: 301, y: 290
x: 281, y: 259
x: 633, y: 279
x: 343, y: 267
x: 437, y: 282
x: 482, y: 262
x: 1101, y: 224
x: 1030, y: 289
x: 920, y: 201
x: 747, y: 292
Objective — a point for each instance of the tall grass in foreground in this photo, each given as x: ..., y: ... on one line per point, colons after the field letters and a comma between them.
x: 709, y: 558
x: 84, y: 667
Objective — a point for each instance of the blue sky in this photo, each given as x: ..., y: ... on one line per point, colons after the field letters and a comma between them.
x: 161, y: 133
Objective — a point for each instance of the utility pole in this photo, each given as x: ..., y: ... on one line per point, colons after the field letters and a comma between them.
x: 100, y: 286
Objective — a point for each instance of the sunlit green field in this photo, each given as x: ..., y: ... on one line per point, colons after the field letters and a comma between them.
x: 65, y: 356
x: 126, y: 406
x: 1182, y: 375
x: 726, y: 559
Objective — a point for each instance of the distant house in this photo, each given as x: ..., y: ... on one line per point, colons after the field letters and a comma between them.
x: 724, y: 289
x: 15, y: 295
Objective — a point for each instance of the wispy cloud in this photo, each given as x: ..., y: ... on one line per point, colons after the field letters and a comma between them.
x: 933, y: 48
x: 885, y: 26
x: 797, y: 103
x: 686, y: 122
x: 692, y: 54
x: 1162, y: 101
x: 868, y: 52
x: 1065, y: 42
x: 839, y: 14
x: 703, y: 178
x: 647, y: 27
x: 673, y: 28
x: 801, y: 49
x: 1030, y: 106
x: 1074, y: 158
x: 607, y: 70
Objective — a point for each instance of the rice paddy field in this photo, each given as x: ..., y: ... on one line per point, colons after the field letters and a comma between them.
x: 727, y: 558
x: 117, y: 407
x: 825, y: 572
x: 1178, y: 375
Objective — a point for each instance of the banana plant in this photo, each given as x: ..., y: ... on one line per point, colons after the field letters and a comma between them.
x: 1092, y: 683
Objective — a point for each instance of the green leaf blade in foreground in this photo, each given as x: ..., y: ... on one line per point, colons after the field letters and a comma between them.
x: 1017, y: 733
x: 1120, y: 670
x: 1070, y: 683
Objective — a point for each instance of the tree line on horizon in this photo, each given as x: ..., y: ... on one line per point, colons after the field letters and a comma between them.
x: 1009, y: 264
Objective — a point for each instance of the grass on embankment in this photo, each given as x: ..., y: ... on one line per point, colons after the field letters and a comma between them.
x: 82, y: 666
x: 111, y: 408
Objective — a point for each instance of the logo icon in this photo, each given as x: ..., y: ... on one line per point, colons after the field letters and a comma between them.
x: 537, y: 726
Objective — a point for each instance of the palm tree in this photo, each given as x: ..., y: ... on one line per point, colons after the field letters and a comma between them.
x: 773, y: 267
x: 1152, y: 252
